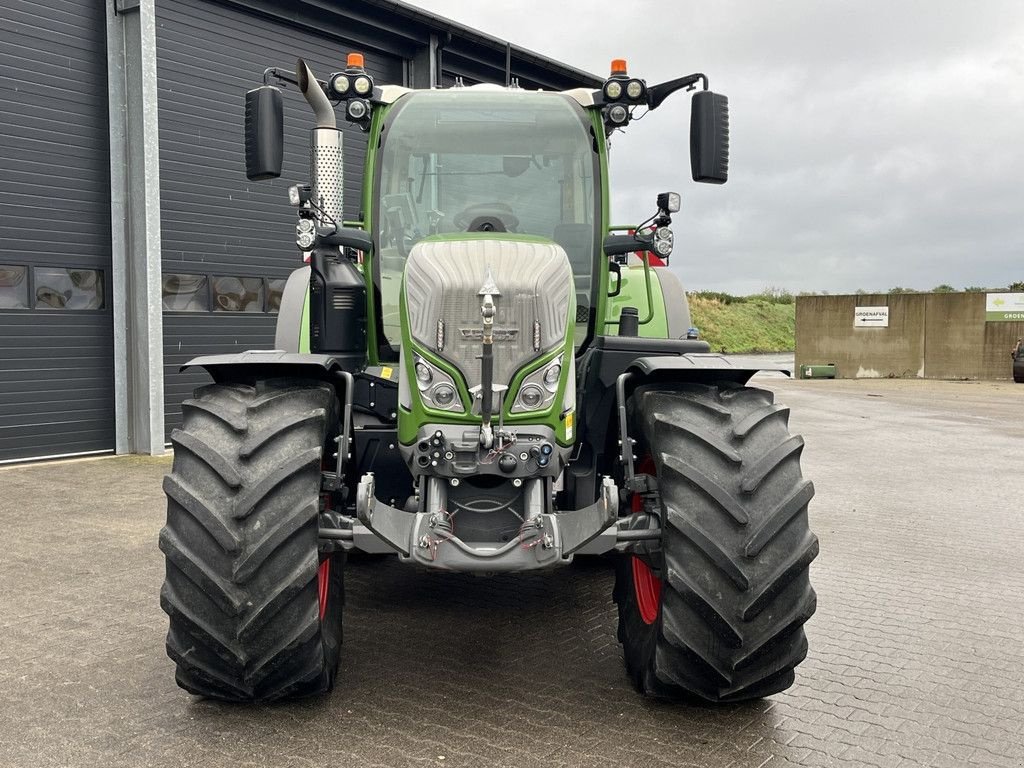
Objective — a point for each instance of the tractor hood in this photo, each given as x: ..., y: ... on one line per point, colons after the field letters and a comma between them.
x: 532, y: 286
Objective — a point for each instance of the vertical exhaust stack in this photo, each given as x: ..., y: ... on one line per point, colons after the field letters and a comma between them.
x: 326, y: 163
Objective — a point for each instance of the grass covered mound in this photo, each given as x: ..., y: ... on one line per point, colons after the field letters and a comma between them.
x: 744, y: 324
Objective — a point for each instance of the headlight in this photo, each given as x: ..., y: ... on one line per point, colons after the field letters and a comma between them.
x: 436, y: 387
x: 617, y: 114
x: 612, y: 90
x: 305, y: 234
x: 443, y: 395
x: 670, y: 202
x: 552, y: 374
x: 538, y: 390
x: 634, y: 89
x: 362, y: 85
x: 663, y: 241
x: 531, y: 396
x: 357, y: 109
x: 423, y: 373
x: 340, y: 85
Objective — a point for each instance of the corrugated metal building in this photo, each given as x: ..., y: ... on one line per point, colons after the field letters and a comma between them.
x: 130, y: 239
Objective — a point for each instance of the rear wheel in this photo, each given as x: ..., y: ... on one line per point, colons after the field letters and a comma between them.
x: 718, y: 614
x: 255, y: 611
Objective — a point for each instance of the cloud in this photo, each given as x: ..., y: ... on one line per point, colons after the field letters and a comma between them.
x: 873, y: 143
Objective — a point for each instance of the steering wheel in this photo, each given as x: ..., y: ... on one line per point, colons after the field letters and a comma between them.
x: 483, y: 217
x: 395, y: 231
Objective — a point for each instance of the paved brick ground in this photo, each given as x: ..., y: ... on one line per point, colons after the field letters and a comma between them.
x: 917, y: 649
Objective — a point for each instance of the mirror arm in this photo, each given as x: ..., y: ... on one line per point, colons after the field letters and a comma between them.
x: 619, y: 245
x: 281, y: 75
x: 658, y: 93
x: 345, y: 237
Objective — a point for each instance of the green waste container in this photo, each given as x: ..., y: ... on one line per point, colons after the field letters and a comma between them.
x: 827, y: 371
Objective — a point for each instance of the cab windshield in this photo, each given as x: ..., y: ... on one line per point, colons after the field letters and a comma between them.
x: 466, y: 160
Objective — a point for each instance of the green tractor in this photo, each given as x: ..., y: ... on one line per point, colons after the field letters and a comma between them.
x: 483, y: 374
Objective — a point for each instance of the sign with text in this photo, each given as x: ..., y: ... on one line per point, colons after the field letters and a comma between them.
x: 871, y: 317
x: 1004, y: 307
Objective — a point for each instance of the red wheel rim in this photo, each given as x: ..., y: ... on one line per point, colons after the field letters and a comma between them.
x: 323, y: 574
x: 646, y: 585
x: 323, y: 579
x: 648, y: 591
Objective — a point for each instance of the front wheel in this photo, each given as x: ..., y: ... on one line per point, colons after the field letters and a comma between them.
x: 717, y: 614
x: 255, y: 611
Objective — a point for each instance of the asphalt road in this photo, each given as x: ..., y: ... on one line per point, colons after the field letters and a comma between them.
x: 917, y: 649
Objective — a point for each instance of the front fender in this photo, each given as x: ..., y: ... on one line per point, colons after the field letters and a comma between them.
x: 292, y: 333
x: 266, y: 364
x: 695, y: 367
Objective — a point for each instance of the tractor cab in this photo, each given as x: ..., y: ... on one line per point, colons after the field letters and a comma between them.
x: 484, y: 161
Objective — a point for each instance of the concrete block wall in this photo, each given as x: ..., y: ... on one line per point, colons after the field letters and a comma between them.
x: 930, y: 335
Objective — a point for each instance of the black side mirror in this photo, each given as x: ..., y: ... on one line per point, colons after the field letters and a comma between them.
x: 264, y: 133
x: 709, y: 137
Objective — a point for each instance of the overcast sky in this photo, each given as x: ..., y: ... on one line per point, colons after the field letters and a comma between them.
x: 874, y: 144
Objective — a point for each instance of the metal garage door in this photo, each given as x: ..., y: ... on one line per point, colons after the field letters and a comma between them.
x: 228, y: 244
x: 56, y: 328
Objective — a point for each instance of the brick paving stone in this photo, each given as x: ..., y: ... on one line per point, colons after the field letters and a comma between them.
x: 916, y: 652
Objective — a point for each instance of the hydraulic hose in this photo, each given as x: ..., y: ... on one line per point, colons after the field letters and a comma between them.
x: 487, y: 382
x: 487, y: 312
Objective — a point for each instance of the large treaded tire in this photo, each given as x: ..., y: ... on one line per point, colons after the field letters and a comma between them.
x: 736, y: 548
x: 243, y: 583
